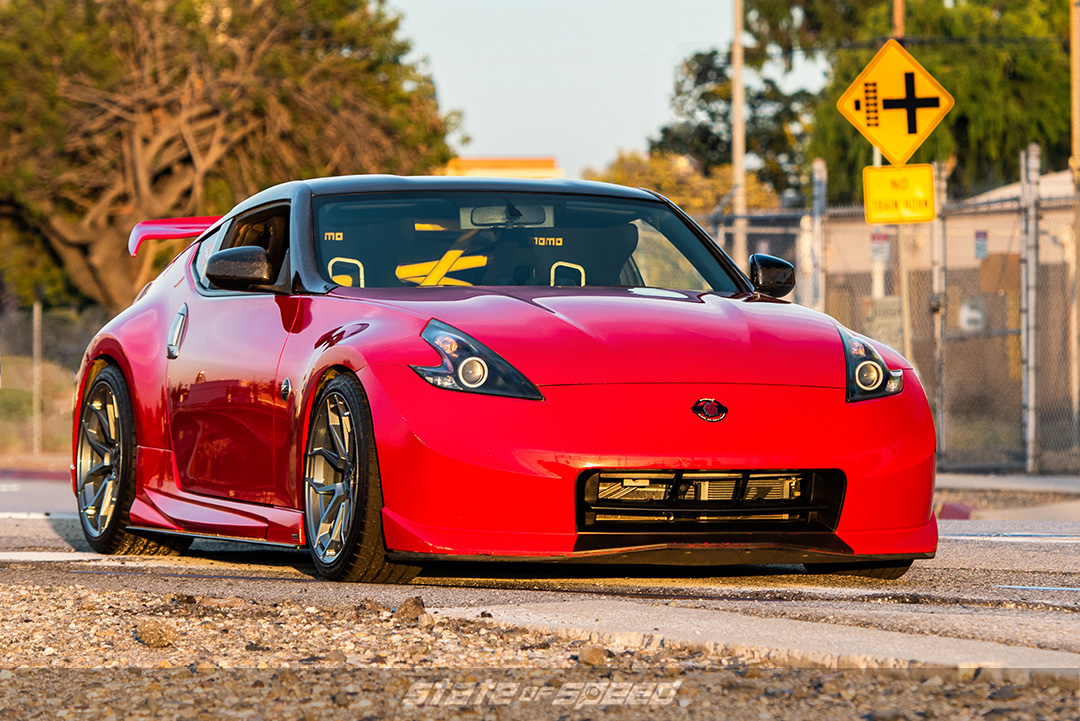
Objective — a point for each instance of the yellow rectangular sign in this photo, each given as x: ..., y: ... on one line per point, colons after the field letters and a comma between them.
x: 899, y: 194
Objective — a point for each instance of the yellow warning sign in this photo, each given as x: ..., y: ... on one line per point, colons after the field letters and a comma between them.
x: 895, y: 103
x: 899, y: 195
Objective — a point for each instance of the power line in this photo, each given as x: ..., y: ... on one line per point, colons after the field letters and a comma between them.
x: 929, y: 40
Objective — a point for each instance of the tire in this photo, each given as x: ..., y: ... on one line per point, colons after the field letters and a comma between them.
x: 342, y: 490
x: 105, y: 466
x: 882, y: 571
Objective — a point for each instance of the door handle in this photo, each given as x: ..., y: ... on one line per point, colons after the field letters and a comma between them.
x: 176, y: 333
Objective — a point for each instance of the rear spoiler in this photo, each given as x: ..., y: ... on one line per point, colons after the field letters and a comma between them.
x: 169, y: 229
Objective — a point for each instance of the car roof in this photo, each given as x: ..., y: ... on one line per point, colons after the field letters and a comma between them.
x: 399, y: 183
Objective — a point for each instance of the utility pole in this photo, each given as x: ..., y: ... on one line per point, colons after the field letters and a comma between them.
x: 937, y: 304
x: 1073, y: 248
x: 738, y: 141
x: 902, y: 236
x: 37, y: 377
x: 820, y: 178
x: 1029, y: 278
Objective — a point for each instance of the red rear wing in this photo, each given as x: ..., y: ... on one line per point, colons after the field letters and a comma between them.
x: 169, y: 229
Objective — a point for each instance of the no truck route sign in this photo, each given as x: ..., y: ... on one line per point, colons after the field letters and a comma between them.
x: 895, y: 103
x: 899, y: 195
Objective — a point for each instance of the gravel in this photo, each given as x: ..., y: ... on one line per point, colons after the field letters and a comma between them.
x: 75, y: 652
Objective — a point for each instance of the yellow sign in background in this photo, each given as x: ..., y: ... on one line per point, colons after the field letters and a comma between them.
x: 895, y: 103
x: 899, y: 195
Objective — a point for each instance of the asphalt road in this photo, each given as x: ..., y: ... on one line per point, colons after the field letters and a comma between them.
x: 1009, y: 590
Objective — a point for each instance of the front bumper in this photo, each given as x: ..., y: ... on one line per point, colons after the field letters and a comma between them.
x: 468, y: 475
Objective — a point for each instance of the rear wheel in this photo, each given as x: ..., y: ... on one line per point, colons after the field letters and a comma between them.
x: 105, y: 467
x: 884, y: 571
x: 342, y: 490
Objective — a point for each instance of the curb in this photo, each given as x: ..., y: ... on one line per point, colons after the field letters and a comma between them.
x: 34, y: 474
x: 1064, y: 678
x: 953, y: 511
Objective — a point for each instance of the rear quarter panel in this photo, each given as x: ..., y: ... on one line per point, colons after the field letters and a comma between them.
x: 135, y: 341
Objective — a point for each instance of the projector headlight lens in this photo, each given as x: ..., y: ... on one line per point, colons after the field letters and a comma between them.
x: 868, y: 375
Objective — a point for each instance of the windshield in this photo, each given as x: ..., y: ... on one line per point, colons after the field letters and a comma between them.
x: 499, y: 239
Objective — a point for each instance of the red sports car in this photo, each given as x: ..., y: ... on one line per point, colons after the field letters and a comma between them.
x: 392, y: 371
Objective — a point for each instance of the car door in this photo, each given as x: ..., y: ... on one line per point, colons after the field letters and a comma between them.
x: 223, y: 351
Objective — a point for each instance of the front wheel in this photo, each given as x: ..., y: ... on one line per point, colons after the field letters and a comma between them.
x: 343, y: 492
x: 884, y: 571
x: 105, y: 466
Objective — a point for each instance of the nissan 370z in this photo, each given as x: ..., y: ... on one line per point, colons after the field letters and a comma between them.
x: 396, y: 371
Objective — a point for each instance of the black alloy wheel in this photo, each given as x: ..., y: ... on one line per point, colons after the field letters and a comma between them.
x: 105, y: 468
x: 342, y: 490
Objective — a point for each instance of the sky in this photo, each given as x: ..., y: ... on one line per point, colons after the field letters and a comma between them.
x: 574, y: 79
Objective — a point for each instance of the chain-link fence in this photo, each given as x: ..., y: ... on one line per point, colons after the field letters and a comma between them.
x: 982, y: 403
x: 1001, y: 401
x: 1057, y: 362
x: 65, y: 333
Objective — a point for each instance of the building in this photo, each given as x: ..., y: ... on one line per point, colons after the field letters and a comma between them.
x: 535, y: 168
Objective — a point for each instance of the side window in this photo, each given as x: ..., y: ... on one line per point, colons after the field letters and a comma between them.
x: 207, y: 247
x: 268, y: 229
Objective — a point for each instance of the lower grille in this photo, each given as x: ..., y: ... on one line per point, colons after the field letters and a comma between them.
x: 737, y: 500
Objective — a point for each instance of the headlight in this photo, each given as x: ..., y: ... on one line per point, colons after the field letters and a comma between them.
x: 470, y: 366
x: 867, y: 375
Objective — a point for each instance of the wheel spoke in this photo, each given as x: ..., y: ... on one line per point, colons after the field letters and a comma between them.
x: 99, y: 494
x: 86, y: 500
x: 106, y: 508
x: 330, y: 520
x: 340, y: 464
x: 101, y: 469
x: 98, y: 470
x: 91, y: 438
x: 335, y: 534
x: 332, y: 508
x: 324, y: 488
x: 104, y: 426
x: 336, y: 432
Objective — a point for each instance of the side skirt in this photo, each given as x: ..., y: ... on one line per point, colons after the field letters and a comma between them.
x: 213, y: 537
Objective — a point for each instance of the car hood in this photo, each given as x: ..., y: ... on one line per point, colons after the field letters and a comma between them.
x: 562, y: 336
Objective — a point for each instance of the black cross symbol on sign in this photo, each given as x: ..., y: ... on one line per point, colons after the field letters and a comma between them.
x: 910, y: 103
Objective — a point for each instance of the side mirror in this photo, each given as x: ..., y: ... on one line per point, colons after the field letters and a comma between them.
x: 770, y: 275
x: 239, y: 268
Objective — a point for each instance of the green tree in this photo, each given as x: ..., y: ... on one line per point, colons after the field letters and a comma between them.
x: 114, y: 111
x: 677, y: 178
x: 807, y: 27
x: 28, y: 271
x: 1005, y: 64
x: 776, y: 122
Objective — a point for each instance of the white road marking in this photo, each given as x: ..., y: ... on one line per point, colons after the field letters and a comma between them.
x: 46, y: 556
x: 10, y: 487
x: 1041, y: 588
x: 30, y: 516
x: 1012, y: 537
